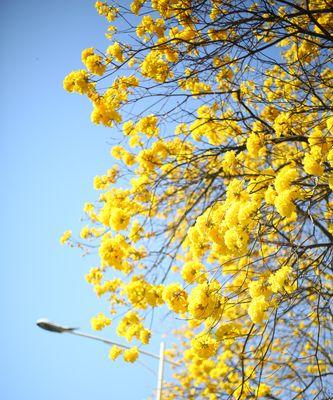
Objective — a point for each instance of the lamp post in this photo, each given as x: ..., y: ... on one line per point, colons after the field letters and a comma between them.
x: 53, y: 327
x: 160, y: 373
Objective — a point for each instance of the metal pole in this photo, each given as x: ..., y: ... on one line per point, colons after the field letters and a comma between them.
x: 53, y: 327
x: 160, y: 373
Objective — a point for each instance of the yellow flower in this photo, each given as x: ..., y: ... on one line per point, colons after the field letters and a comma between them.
x: 281, y: 280
x: 100, y: 322
x: 65, y: 236
x: 312, y: 166
x: 204, y: 300
x: 148, y: 26
x: 93, y: 62
x: 263, y: 390
x: 94, y: 276
x: 194, y: 271
x: 284, y: 202
x: 119, y: 219
x: 204, y: 345
x: 78, y: 81
x: 145, y: 335
x: 175, y: 297
x: 257, y: 309
x: 115, y: 352
x: 136, y: 6
x: 154, y: 67
x: 109, y: 12
x: 148, y: 125
x: 85, y: 232
x: 116, y: 51
x: 131, y: 355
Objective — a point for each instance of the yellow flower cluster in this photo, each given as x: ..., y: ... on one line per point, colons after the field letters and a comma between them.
x: 109, y: 12
x: 175, y: 297
x: 94, y: 276
x: 136, y: 6
x: 148, y: 125
x: 102, y: 182
x: 232, y: 236
x: 228, y: 332
x: 204, y: 345
x: 131, y: 327
x: 78, y: 81
x: 115, y: 51
x: 255, y: 145
x: 142, y: 294
x: 115, y: 352
x: 281, y: 280
x: 155, y: 67
x: 115, y: 252
x: 109, y: 286
x: 257, y: 308
x: 150, y: 26
x: 227, y: 184
x: 100, y: 322
x: 131, y: 355
x: 106, y: 107
x: 66, y: 236
x: 195, y: 86
x: 193, y: 271
x: 319, y: 150
x: 204, y: 300
x: 93, y: 62
x: 286, y: 192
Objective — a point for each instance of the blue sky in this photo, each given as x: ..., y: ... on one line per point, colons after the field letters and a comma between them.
x: 50, y: 153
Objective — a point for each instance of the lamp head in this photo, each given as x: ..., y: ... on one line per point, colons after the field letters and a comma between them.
x: 52, y: 327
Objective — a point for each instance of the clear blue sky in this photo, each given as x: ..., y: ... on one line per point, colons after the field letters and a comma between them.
x: 50, y: 153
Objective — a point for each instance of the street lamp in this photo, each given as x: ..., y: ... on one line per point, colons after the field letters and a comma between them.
x: 53, y: 327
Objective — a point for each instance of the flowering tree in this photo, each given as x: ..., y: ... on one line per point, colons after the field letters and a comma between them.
x: 219, y: 204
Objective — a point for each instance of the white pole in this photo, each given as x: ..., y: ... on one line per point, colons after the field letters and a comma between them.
x: 160, y: 373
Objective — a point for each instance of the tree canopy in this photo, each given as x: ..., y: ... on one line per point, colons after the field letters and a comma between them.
x: 218, y: 207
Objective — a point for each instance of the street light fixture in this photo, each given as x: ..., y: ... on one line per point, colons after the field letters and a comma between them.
x: 54, y: 327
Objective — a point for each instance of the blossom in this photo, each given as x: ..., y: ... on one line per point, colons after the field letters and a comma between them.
x: 66, y: 236
x: 100, y: 322
x: 131, y: 355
